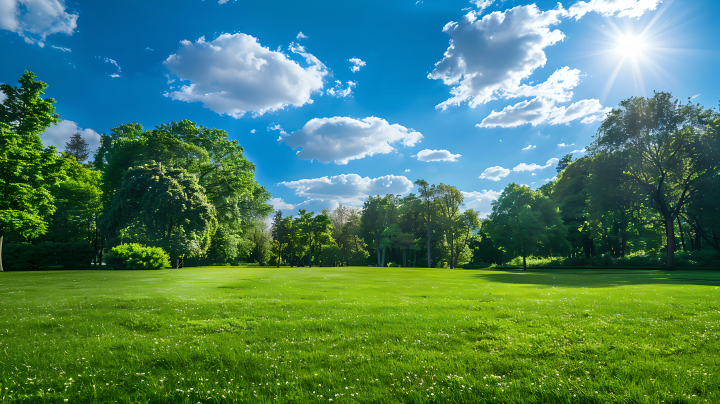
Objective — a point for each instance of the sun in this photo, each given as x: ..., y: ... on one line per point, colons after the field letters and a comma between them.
x: 631, y: 46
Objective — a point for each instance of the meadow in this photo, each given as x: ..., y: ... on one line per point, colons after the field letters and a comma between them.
x: 359, y: 335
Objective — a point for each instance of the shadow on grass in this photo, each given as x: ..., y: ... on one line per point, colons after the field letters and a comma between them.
x: 599, y: 278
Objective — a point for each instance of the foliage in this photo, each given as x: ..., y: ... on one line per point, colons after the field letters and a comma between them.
x: 137, y: 256
x: 163, y: 207
x: 77, y: 147
x: 44, y: 256
x: 525, y: 223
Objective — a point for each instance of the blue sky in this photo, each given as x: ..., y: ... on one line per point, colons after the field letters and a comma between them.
x: 337, y: 100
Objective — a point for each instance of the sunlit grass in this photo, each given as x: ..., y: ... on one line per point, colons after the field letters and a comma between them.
x: 359, y: 335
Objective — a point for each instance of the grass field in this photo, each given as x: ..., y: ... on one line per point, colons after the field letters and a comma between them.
x: 359, y: 335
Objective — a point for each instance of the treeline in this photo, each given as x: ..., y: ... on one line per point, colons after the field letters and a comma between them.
x: 649, y: 185
x: 179, y: 186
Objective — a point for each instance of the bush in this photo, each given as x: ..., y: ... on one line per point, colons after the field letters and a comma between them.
x: 137, y: 256
x: 43, y: 256
x: 393, y: 265
x: 476, y: 265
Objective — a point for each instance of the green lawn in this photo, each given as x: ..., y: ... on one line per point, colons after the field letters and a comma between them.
x: 224, y: 334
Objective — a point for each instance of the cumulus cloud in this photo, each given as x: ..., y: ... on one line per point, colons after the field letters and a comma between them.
x: 609, y: 8
x: 349, y: 189
x: 533, y: 166
x: 541, y: 110
x: 490, y: 56
x: 357, y: 64
x: 494, y: 173
x: 2, y: 96
x: 279, y: 204
x: 583, y: 150
x: 58, y: 135
x: 340, y: 92
x: 481, y: 202
x: 565, y: 145
x: 234, y: 75
x: 482, y: 4
x: 436, y: 155
x: 529, y: 147
x: 253, y: 130
x: 301, y: 36
x: 341, y: 139
x: 34, y: 20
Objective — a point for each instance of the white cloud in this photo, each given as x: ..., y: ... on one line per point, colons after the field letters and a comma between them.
x: 114, y: 63
x: 609, y: 8
x: 482, y: 4
x: 349, y: 189
x: 67, y: 50
x: 234, y: 74
x: 34, y: 20
x: 341, y: 139
x: 481, y: 202
x: 694, y: 96
x: 339, y: 92
x: 583, y: 150
x: 279, y: 204
x: 357, y: 64
x: 550, y: 179
x: 58, y: 135
x: 533, y: 166
x: 565, y: 145
x: 2, y: 96
x: 490, y: 56
x: 529, y: 147
x: 541, y: 110
x: 301, y: 36
x: 407, y: 170
x: 436, y: 155
x: 317, y: 205
x: 253, y: 131
x: 147, y: 48
x: 495, y: 173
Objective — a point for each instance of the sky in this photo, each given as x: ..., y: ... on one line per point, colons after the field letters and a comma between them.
x: 336, y: 100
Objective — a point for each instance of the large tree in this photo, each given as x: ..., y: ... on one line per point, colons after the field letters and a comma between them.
x: 162, y: 207
x: 427, y: 194
x: 28, y: 171
x: 78, y: 147
x: 524, y: 223
x: 657, y: 139
x: 450, y: 199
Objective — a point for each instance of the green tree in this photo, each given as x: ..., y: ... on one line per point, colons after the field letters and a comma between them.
x: 450, y: 199
x: 525, y: 223
x: 28, y: 171
x: 427, y: 194
x: 657, y: 139
x: 162, y: 207
x: 78, y: 147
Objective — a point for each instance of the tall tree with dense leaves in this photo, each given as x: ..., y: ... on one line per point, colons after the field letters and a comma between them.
x: 427, y: 194
x: 658, y: 139
x: 376, y: 217
x: 450, y: 199
x: 27, y: 170
x: 78, y: 147
x: 524, y: 223
x: 162, y: 207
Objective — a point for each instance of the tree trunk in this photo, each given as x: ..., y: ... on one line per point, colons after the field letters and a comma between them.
x: 428, y: 244
x: 682, y: 236
x: 382, y: 263
x: 405, y: 257
x: 452, y: 251
x: 670, y: 235
x: 524, y: 264
x: 377, y: 248
x: 1, y: 245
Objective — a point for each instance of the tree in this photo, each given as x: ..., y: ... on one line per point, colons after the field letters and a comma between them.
x: 464, y: 226
x: 525, y: 223
x: 27, y: 170
x: 427, y: 194
x: 376, y: 217
x: 78, y: 147
x: 450, y: 199
x: 162, y: 207
x: 657, y: 139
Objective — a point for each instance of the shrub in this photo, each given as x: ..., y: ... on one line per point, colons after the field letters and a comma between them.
x: 43, y: 256
x: 137, y: 256
x: 393, y: 265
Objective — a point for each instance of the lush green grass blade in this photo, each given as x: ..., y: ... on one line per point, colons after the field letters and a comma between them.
x: 215, y: 335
